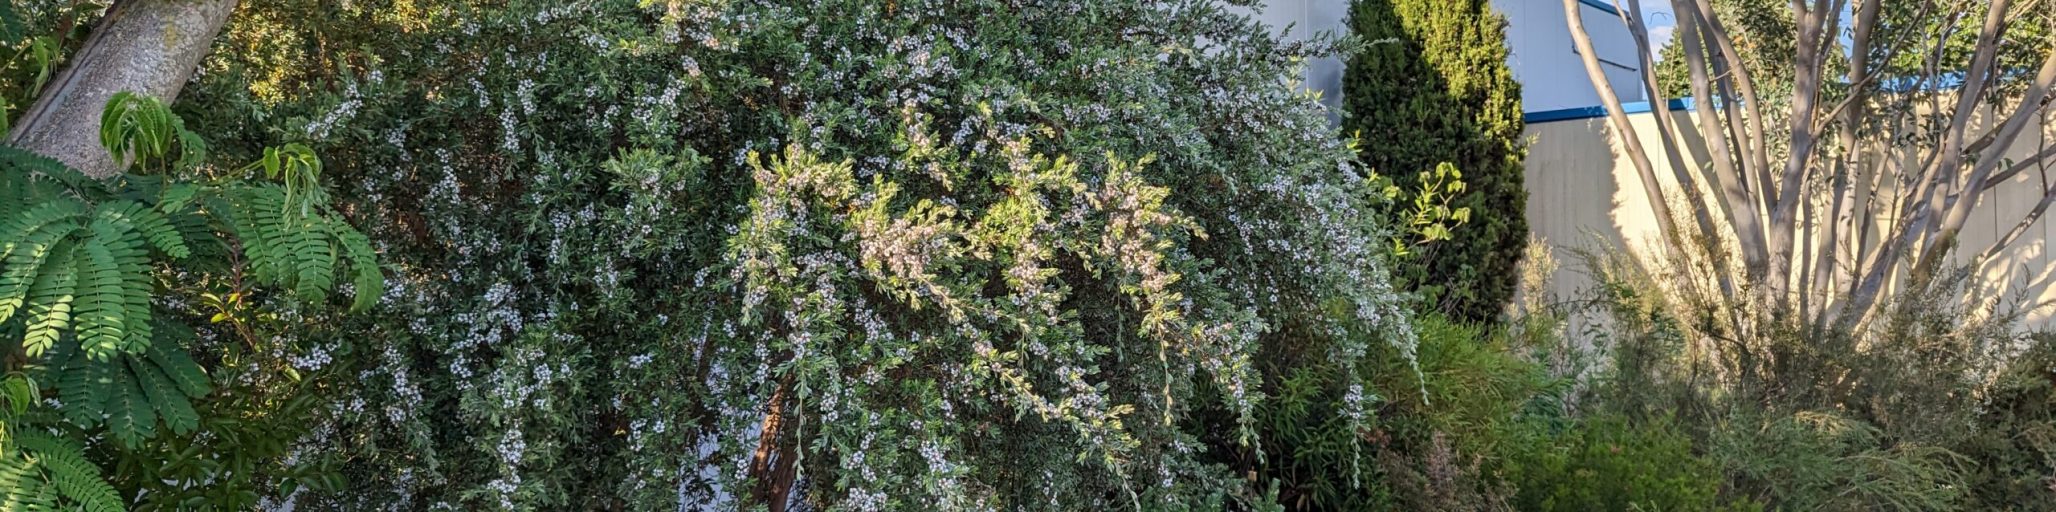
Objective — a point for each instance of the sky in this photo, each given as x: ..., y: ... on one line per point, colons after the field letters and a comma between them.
x: 1660, y: 25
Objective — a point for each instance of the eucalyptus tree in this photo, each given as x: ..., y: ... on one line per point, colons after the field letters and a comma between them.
x: 1846, y: 146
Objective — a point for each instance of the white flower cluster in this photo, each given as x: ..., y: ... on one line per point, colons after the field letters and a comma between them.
x: 319, y: 130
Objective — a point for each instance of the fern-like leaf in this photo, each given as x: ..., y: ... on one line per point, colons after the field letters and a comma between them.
x: 130, y: 416
x: 49, y: 301
x: 151, y: 225
x: 25, y: 489
x: 42, y: 177
x: 15, y: 231
x: 170, y: 404
x: 136, y: 288
x: 84, y: 389
x: 25, y: 256
x: 186, y: 375
x: 175, y: 197
x: 75, y: 477
x: 121, y: 285
x: 255, y: 214
x: 102, y: 311
x: 367, y: 281
x: 314, y: 259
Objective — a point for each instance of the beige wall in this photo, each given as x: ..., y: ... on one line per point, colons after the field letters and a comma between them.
x: 1582, y: 189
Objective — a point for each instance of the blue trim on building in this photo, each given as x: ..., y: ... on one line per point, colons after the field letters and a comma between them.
x: 1602, y: 6
x: 1569, y: 114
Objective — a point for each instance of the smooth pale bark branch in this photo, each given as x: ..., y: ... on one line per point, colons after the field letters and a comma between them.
x: 2014, y: 235
x: 1742, y: 214
x: 149, y: 47
x: 1960, y: 212
x: 1757, y: 167
x: 2032, y: 161
x: 1666, y: 127
x: 1870, y: 190
x: 1574, y: 17
x: 1950, y: 157
x: 1842, y: 218
x: 1861, y: 35
x: 1920, y: 222
x: 1806, y: 84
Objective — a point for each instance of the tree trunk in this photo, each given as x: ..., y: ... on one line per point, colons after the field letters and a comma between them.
x: 146, y: 46
x: 1574, y: 18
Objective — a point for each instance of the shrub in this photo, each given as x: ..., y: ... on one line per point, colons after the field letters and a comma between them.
x: 2012, y: 445
x: 1611, y: 463
x: 1433, y: 87
x: 1436, y: 438
x: 835, y: 254
x: 1823, y: 461
x: 1795, y: 418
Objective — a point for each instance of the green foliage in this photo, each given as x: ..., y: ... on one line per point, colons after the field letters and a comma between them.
x: 1765, y: 35
x: 1610, y: 463
x: 1436, y: 440
x: 45, y: 472
x: 2011, y: 447
x: 61, y: 254
x: 132, y: 391
x: 1823, y: 461
x: 29, y: 55
x: 1802, y: 419
x: 1430, y: 219
x: 82, y: 276
x: 1433, y: 88
x: 846, y: 254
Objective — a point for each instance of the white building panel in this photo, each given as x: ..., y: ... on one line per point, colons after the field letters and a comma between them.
x: 1543, y: 58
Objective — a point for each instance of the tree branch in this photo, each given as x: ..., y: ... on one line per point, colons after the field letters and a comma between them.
x: 1575, y: 19
x: 146, y: 46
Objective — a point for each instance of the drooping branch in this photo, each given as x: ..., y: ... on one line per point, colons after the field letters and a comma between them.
x: 145, y: 46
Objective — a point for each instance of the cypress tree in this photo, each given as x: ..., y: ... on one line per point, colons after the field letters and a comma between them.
x: 1434, y: 87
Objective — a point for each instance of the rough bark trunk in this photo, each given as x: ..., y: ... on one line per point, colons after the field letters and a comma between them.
x: 145, y: 46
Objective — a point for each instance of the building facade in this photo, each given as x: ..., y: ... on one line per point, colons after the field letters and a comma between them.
x: 1544, y: 60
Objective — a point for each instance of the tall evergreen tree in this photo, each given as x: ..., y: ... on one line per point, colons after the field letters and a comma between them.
x: 1434, y: 87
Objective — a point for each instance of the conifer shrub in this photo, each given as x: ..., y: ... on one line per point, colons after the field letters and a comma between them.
x: 1433, y: 87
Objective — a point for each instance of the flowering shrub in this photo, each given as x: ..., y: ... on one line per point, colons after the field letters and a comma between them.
x: 846, y: 254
